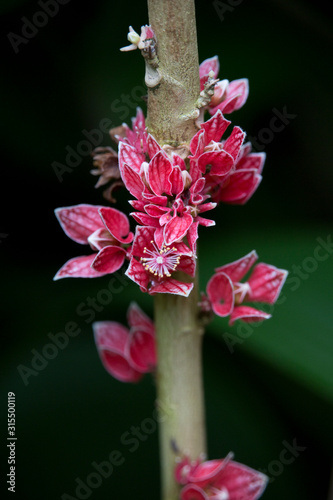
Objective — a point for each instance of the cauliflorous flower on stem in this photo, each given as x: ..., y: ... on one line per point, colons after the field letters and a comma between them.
x: 127, y: 354
x: 219, y: 480
x: 228, y: 96
x: 151, y: 266
x: 243, y: 180
x: 166, y: 197
x: 210, y: 156
x: 227, y: 293
x: 107, y: 232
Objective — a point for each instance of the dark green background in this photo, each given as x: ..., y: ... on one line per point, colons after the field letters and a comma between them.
x: 277, y: 385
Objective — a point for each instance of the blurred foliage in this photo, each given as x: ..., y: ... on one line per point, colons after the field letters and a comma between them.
x: 274, y: 384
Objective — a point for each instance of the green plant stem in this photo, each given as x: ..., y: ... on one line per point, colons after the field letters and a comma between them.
x: 171, y: 119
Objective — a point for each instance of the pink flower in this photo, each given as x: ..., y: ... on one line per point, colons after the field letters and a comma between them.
x: 135, y: 137
x: 127, y: 354
x: 219, y: 480
x: 166, y: 197
x: 226, y: 293
x: 210, y: 156
x: 105, y: 229
x: 228, y: 97
x: 243, y: 180
x: 151, y: 266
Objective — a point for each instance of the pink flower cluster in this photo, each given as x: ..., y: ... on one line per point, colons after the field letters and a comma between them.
x: 226, y: 293
x: 171, y: 191
x: 219, y: 480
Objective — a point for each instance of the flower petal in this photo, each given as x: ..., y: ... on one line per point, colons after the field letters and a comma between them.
x: 127, y: 154
x: 221, y: 294
x: 247, y: 314
x: 137, y: 273
x: 79, y: 267
x: 117, y: 223
x: 241, y: 482
x: 236, y: 270
x: 252, y: 161
x: 109, y: 259
x: 266, y: 282
x: 220, y: 162
x: 79, y: 221
x: 177, y: 227
x: 138, y: 319
x: 110, y: 335
x: 172, y: 286
x: 132, y: 181
x: 215, y: 127
x: 193, y: 492
x: 153, y: 146
x: 240, y: 186
x: 159, y: 170
x: 142, y: 350
x: 187, y: 265
x: 234, y: 143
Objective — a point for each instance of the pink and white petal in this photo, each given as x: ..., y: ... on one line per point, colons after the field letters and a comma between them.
x: 237, y: 94
x: 192, y: 236
x: 252, y: 161
x: 138, y: 319
x: 137, y: 205
x: 79, y: 267
x: 193, y: 492
x: 215, y: 127
x: 206, y: 472
x: 139, y: 121
x: 137, y: 273
x: 152, y: 198
x: 266, y: 282
x: 128, y: 155
x: 176, y: 228
x: 172, y: 286
x: 159, y: 237
x: 145, y: 219
x: 234, y: 143
x: 205, y: 222
x: 237, y: 269
x: 143, y: 237
x: 210, y: 64
x: 241, y: 186
x: 197, y: 187
x: 198, y: 142
x: 141, y: 350
x: 132, y: 181
x: 79, y: 221
x: 220, y: 292
x: 153, y: 146
x: 177, y: 181
x: 177, y: 160
x: 156, y: 211
x: 159, y: 171
x: 242, y: 482
x: 248, y: 315
x: 205, y: 207
x: 118, y: 366
x: 183, y: 249
x: 187, y: 265
x: 117, y: 223
x: 220, y: 162
x: 109, y: 259
x: 110, y: 335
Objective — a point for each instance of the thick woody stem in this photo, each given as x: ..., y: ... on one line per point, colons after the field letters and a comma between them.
x: 171, y: 103
x: 172, y: 114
